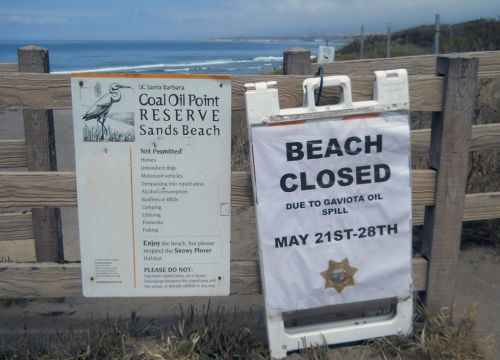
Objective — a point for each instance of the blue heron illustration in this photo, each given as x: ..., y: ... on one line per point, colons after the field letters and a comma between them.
x: 100, y: 109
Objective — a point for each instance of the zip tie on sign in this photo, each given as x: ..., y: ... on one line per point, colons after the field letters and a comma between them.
x: 320, y: 90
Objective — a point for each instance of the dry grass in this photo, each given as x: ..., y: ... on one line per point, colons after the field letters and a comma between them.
x: 239, y: 155
x: 239, y: 143
x: 434, y: 337
x: 220, y: 334
x: 205, y: 334
x: 316, y: 352
x: 439, y: 337
x: 217, y: 334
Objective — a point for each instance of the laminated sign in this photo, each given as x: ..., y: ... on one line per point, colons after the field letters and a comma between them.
x: 153, y: 180
x: 326, y: 54
x: 333, y: 201
x: 333, y: 196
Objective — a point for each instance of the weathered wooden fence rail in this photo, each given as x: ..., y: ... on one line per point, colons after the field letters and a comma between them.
x: 444, y: 86
x: 9, y: 67
x: 483, y: 137
x: 49, y: 91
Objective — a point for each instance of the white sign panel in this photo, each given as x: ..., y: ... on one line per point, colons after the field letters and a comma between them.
x: 153, y: 178
x: 326, y: 54
x: 334, y: 210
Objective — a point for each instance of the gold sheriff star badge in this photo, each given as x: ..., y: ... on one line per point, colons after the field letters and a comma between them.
x: 339, y: 275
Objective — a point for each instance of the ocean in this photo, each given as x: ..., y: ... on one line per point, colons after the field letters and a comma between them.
x: 176, y: 57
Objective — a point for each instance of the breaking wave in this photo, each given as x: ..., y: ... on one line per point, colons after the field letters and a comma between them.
x: 172, y: 67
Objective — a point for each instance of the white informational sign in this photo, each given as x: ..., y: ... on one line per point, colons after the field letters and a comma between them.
x: 326, y: 54
x: 153, y: 179
x: 334, y: 210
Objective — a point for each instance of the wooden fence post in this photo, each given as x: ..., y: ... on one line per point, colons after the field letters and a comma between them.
x: 449, y: 156
x: 41, y: 156
x: 296, y: 61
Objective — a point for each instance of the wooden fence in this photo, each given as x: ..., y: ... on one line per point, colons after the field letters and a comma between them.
x: 445, y: 86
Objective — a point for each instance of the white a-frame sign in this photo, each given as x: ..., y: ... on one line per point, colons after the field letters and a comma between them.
x: 333, y: 202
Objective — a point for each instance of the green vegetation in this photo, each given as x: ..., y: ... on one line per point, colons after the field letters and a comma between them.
x: 475, y: 35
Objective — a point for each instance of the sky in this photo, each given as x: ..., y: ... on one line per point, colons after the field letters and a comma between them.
x: 201, y: 19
